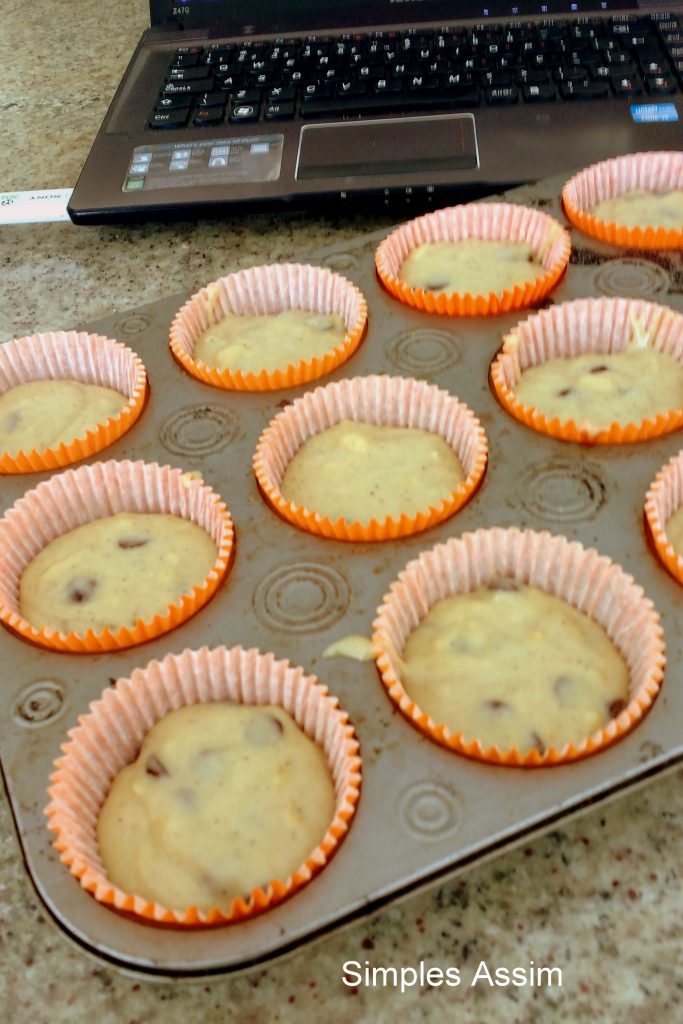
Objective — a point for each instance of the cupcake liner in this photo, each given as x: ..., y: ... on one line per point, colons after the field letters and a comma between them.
x: 590, y: 582
x: 665, y: 497
x: 490, y: 221
x: 109, y: 737
x: 263, y: 290
x: 385, y: 401
x: 79, y: 496
x: 572, y: 329
x: 89, y: 358
x: 652, y: 172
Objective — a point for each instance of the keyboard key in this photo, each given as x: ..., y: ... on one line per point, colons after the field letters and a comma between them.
x: 171, y: 102
x: 244, y: 112
x: 187, y: 88
x: 505, y: 96
x: 539, y: 93
x: 584, y: 90
x: 185, y: 60
x: 281, y: 94
x: 626, y: 86
x: 170, y: 118
x: 210, y: 99
x: 279, y: 111
x: 207, y: 116
x: 247, y: 96
x: 660, y: 85
x: 187, y: 74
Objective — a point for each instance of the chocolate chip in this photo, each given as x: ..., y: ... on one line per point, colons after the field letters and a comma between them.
x: 132, y: 542
x: 81, y: 589
x: 262, y: 730
x: 436, y: 286
x: 503, y: 583
x: 599, y: 369
x: 537, y: 742
x: 154, y: 766
x: 564, y: 392
x: 497, y: 705
x: 616, y: 707
x: 12, y: 421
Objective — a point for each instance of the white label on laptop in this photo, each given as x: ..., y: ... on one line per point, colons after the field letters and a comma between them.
x: 43, y: 205
x: 207, y: 162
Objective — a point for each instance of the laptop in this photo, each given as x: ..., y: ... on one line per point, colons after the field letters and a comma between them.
x: 236, y: 105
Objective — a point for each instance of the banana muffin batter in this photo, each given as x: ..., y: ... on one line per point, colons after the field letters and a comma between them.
x: 639, y: 209
x: 221, y: 799
x: 362, y: 471
x: 602, y: 388
x: 513, y: 666
x: 113, y: 571
x: 269, y: 342
x: 46, y: 413
x: 473, y: 265
x: 674, y: 530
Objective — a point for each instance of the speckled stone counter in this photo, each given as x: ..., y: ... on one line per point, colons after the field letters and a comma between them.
x: 601, y: 898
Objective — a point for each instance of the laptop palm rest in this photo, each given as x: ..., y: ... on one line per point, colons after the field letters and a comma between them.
x: 387, y: 146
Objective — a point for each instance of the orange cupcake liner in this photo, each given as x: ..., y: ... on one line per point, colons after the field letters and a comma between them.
x: 575, y: 328
x: 109, y: 737
x: 103, y: 489
x: 385, y: 401
x: 489, y: 221
x: 588, y: 581
x: 653, y: 172
x: 665, y: 497
x: 89, y: 358
x: 265, y: 290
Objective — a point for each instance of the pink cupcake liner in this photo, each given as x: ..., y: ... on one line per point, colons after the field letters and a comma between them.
x: 585, y: 579
x: 103, y: 489
x: 664, y: 497
x: 385, y: 401
x: 489, y: 221
x: 109, y: 737
x: 263, y: 290
x: 573, y: 329
x: 650, y: 172
x: 88, y: 358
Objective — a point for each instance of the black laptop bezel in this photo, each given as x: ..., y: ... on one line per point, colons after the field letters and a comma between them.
x: 281, y: 17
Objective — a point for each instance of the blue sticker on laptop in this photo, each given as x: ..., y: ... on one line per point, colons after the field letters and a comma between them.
x: 651, y: 113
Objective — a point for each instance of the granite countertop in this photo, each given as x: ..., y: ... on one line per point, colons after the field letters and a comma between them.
x: 601, y: 898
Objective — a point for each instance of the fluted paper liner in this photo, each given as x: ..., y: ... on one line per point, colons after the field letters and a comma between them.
x: 588, y: 581
x: 88, y: 358
x: 103, y: 489
x: 264, y: 290
x: 384, y: 401
x: 489, y: 221
x: 109, y: 737
x: 575, y: 328
x: 665, y: 497
x: 650, y: 172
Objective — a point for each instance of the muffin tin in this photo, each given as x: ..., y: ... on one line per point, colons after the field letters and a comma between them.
x: 424, y: 813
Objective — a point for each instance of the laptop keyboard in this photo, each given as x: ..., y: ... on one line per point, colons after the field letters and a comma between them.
x: 486, y: 65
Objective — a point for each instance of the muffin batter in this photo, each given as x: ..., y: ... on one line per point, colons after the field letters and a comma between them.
x: 674, y: 530
x: 222, y: 799
x: 113, y: 571
x: 513, y: 666
x: 473, y: 265
x: 599, y: 389
x: 640, y: 209
x: 270, y: 342
x: 361, y: 471
x: 46, y: 413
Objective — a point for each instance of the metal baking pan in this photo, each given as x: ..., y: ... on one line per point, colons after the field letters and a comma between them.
x: 425, y: 813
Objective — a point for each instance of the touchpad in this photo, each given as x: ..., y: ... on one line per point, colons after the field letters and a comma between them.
x: 394, y: 146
